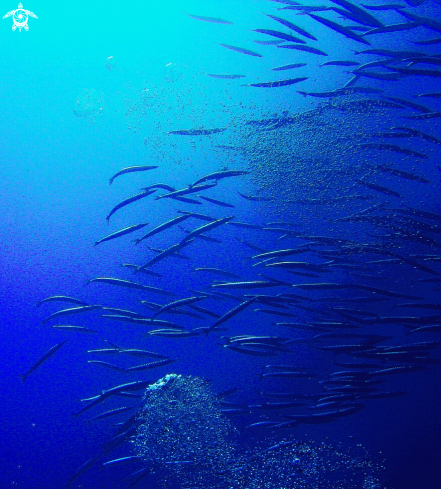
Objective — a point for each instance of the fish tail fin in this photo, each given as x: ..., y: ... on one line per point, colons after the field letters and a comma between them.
x: 302, y: 93
x: 23, y: 377
x: 137, y: 241
x: 211, y: 328
x: 110, y: 181
x: 96, y: 243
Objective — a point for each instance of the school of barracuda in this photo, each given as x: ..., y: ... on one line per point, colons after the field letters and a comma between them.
x: 332, y: 293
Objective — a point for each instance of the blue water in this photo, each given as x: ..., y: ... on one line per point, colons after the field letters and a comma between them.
x: 90, y: 89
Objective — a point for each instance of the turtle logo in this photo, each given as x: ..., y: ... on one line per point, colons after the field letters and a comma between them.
x: 20, y: 18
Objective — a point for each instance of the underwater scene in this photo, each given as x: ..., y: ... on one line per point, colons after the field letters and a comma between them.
x: 220, y: 244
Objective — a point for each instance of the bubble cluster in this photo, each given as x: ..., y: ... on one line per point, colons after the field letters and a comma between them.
x: 183, y: 431
x: 89, y: 104
x: 183, y: 436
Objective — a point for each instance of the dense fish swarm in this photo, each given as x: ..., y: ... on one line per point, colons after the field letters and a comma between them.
x: 330, y: 226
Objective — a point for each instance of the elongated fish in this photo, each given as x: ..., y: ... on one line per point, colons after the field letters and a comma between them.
x: 255, y: 198
x: 162, y: 186
x: 415, y: 132
x: 134, y: 267
x: 340, y: 92
x: 178, y: 303
x: 410, y: 104
x: 187, y: 190
x: 429, y: 22
x: 48, y: 354
x: 436, y: 40
x: 245, y: 225
x: 280, y: 83
x: 108, y: 365
x: 293, y: 27
x: 289, y: 67
x: 214, y: 20
x: 339, y: 28
x: 202, y: 236
x: 359, y: 15
x: 416, y: 72
x: 216, y: 271
x: 390, y: 53
x: 218, y: 175
x: 420, y: 213
x: 378, y: 188
x: 340, y: 63
x: 432, y: 60
x: 187, y: 200
x: 129, y: 387
x: 205, y: 228
x: 228, y: 315
x: 72, y: 310
x: 132, y: 386
x: 377, y: 75
x: 287, y: 252
x: 225, y: 77
x: 380, y: 62
x: 394, y: 148
x: 242, y: 50
x: 304, y: 9
x: 168, y: 252
x: 121, y: 232
x: 173, y: 333
x: 79, y: 329
x: 268, y: 43
x: 251, y: 349
x: 306, y: 49
x: 151, y: 365
x: 130, y: 285
x: 402, y: 174
x: 429, y: 115
x: 164, y: 226
x: 112, y: 412
x: 388, y: 6
x: 280, y: 35
x: 197, y: 132
x: 131, y: 169
x: 336, y: 286
x: 392, y: 28
x: 135, y: 352
x: 250, y: 284
x: 62, y: 298
x: 81, y: 470
x: 134, y: 198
